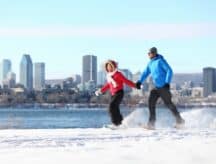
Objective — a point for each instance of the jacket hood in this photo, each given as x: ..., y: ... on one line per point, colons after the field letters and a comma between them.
x: 158, y: 57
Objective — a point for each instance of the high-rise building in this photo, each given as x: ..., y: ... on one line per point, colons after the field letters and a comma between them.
x: 209, y: 79
x: 26, y: 72
x: 101, y: 78
x: 89, y: 72
x: 77, y: 78
x: 128, y: 74
x: 39, y: 76
x: 5, y: 69
x: 11, y: 80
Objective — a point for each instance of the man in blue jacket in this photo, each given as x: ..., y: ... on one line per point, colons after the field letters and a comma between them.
x: 162, y: 75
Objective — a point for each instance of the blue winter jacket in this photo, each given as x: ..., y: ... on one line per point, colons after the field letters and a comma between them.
x: 160, y: 71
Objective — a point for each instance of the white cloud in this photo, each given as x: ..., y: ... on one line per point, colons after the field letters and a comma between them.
x: 135, y: 31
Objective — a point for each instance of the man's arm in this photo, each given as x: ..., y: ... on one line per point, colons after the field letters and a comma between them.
x: 169, y: 71
x: 145, y: 74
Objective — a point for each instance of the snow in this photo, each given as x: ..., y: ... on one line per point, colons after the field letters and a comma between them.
x: 133, y: 145
x: 104, y: 146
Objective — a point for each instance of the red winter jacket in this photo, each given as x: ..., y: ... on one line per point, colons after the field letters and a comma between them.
x: 120, y: 80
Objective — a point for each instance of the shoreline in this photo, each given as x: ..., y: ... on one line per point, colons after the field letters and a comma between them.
x: 92, y: 105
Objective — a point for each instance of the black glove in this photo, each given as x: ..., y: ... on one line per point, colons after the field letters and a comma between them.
x: 138, y: 85
x: 167, y: 86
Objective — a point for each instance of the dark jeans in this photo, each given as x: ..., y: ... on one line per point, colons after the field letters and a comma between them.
x: 166, y: 96
x: 114, y: 109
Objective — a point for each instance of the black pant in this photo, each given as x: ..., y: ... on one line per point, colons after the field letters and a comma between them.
x: 166, y: 96
x: 114, y: 109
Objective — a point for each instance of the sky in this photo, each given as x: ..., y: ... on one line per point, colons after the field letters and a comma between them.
x: 60, y: 32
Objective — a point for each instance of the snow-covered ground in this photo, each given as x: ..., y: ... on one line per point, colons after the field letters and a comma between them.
x: 104, y: 146
x: 133, y: 145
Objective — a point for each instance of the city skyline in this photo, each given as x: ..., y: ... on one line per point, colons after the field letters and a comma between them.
x: 65, y: 31
x: 33, y: 77
x: 79, y: 72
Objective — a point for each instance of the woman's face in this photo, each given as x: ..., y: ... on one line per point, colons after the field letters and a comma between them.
x: 109, y: 68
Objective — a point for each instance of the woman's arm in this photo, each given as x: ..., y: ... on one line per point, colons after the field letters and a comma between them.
x: 105, y: 88
x: 126, y: 81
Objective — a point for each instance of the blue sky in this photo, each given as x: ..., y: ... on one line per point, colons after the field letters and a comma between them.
x: 61, y: 32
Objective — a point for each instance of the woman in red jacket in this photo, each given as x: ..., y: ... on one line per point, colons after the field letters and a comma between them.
x: 115, y: 83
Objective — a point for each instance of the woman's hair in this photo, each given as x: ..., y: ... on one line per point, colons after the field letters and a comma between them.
x: 112, y: 63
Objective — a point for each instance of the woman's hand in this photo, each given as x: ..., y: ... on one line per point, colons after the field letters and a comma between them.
x: 98, y: 92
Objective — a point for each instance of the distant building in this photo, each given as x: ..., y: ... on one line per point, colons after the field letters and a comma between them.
x: 128, y: 74
x: 5, y: 69
x: 89, y: 72
x: 187, y: 84
x: 90, y: 86
x: 180, y: 78
x: 39, y: 76
x: 77, y: 79
x: 11, y: 80
x: 54, y: 82
x: 197, y: 92
x: 136, y: 76
x: 68, y: 83
x: 209, y: 79
x: 101, y: 78
x: 26, y: 72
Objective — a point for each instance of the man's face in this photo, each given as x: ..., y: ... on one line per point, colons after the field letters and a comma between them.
x: 151, y: 55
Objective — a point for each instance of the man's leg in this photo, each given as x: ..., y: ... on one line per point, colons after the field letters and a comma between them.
x: 166, y: 96
x: 152, y: 107
x: 114, y: 109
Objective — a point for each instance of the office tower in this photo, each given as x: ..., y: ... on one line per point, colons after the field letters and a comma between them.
x: 209, y: 79
x: 128, y: 74
x: 10, y: 80
x: 26, y: 72
x: 101, y: 78
x: 39, y: 76
x: 5, y: 69
x: 89, y: 72
x: 77, y: 78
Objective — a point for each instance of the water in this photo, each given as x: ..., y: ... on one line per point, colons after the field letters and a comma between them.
x: 96, y: 118
x: 53, y: 118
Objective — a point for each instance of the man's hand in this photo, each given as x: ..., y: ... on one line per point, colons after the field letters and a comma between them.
x: 167, y: 86
x: 138, y: 85
x: 98, y: 92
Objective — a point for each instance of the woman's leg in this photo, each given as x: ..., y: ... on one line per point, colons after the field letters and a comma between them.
x: 114, y: 109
